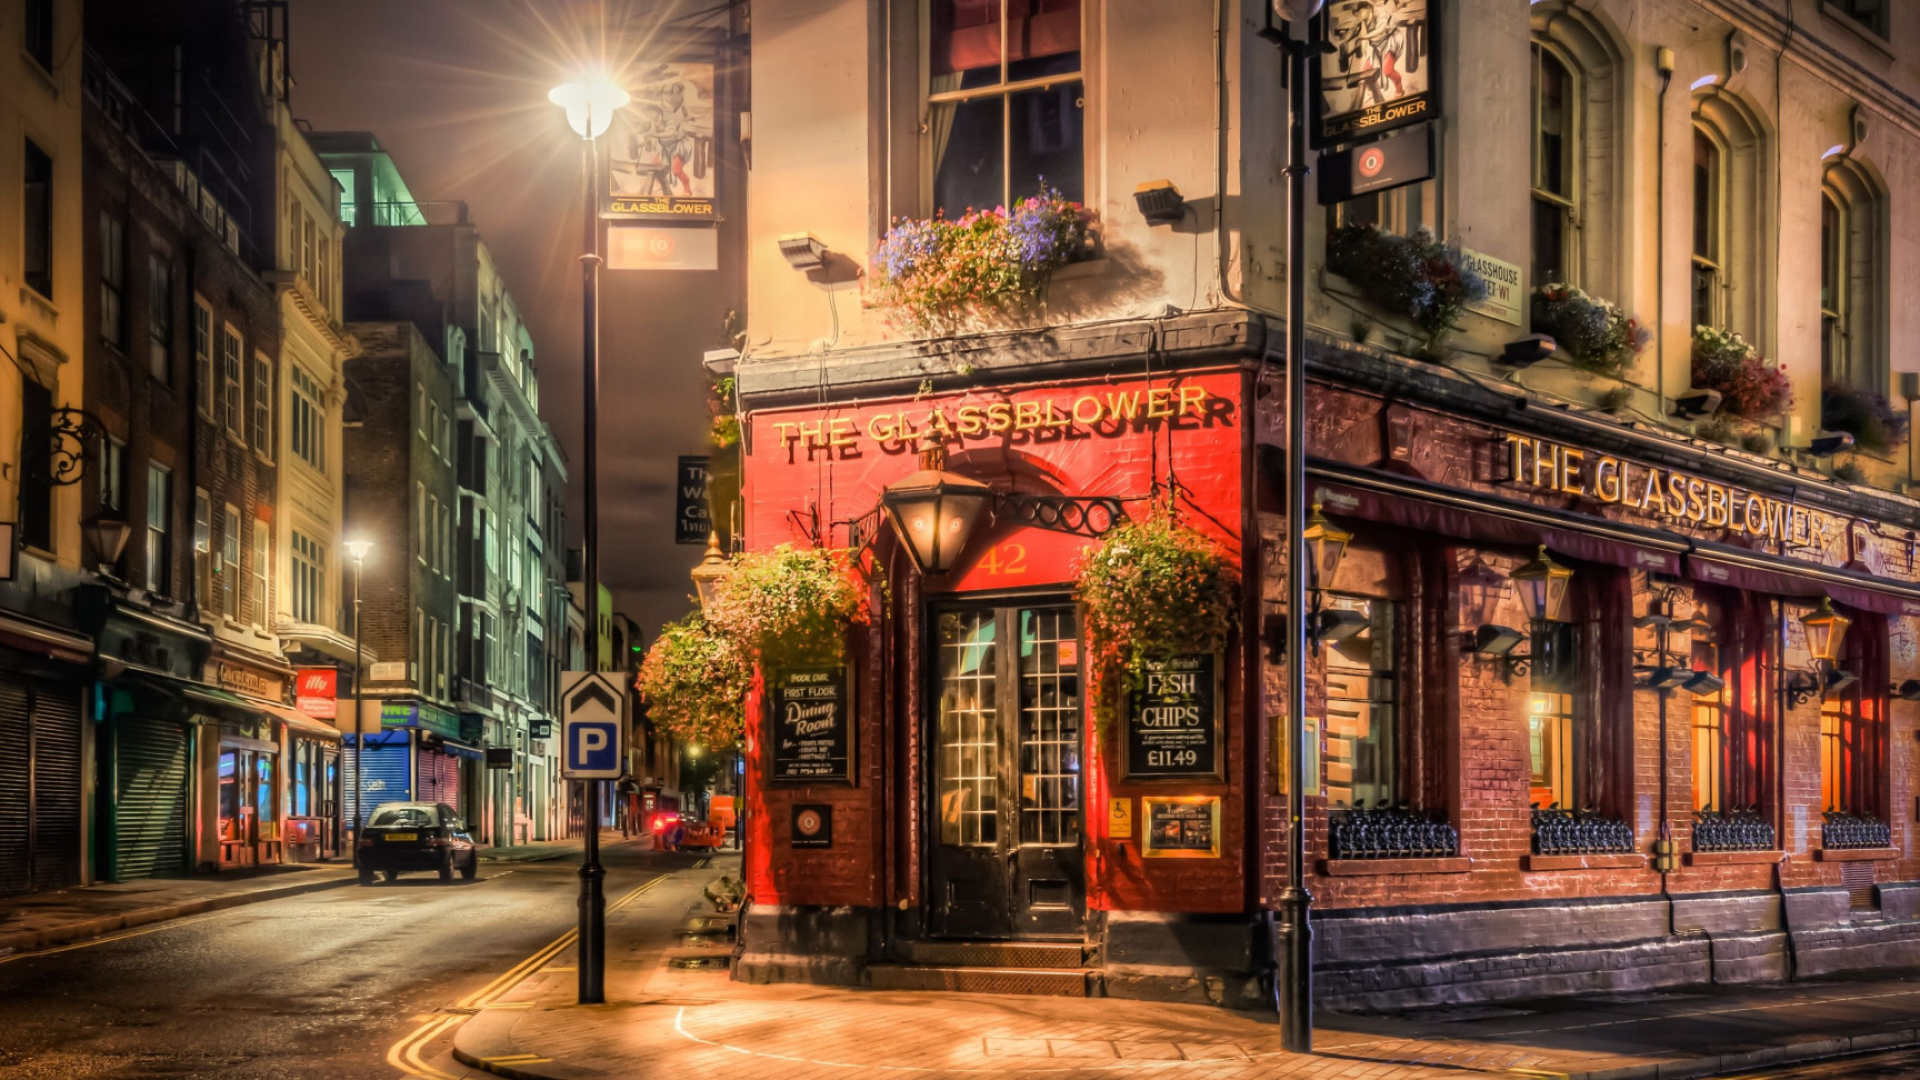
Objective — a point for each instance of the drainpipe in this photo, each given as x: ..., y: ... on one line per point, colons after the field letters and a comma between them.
x: 1663, y: 60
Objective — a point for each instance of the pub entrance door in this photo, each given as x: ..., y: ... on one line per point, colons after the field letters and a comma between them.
x: 1006, y: 772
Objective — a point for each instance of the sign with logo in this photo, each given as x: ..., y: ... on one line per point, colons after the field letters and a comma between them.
x: 1506, y: 288
x: 316, y: 692
x: 387, y: 671
x: 499, y: 757
x: 663, y: 247
x: 812, y: 826
x: 1187, y: 827
x: 660, y: 163
x: 1379, y: 73
x: 812, y: 726
x: 541, y: 728
x: 419, y: 714
x: 593, y: 726
x: 1376, y: 166
x: 691, y: 521
x: 1173, y: 721
x: 1120, y: 819
x: 245, y: 681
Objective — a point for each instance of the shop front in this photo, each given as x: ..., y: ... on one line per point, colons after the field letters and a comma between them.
x: 946, y: 789
x: 43, y: 688
x: 1599, y: 708
x: 417, y: 755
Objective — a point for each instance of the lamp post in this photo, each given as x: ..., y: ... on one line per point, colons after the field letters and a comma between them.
x: 590, y: 105
x: 358, y: 550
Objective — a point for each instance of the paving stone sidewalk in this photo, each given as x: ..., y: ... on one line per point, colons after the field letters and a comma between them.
x: 40, y: 920
x: 543, y: 850
x: 666, y: 1020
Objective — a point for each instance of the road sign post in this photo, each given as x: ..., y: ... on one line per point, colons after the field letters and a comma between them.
x: 593, y: 737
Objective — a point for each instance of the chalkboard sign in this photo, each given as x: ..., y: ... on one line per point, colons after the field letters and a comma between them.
x: 1173, y: 721
x: 1182, y: 828
x: 812, y: 726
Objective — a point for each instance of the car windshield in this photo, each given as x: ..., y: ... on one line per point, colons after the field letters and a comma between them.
x: 403, y: 815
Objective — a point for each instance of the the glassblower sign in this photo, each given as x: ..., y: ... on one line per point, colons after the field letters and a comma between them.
x: 812, y: 726
x: 1379, y: 75
x: 1173, y: 720
x: 660, y: 157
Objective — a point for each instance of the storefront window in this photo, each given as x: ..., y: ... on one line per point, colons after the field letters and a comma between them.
x: 229, y: 795
x: 1049, y: 727
x: 1853, y: 721
x: 1710, y: 749
x: 1362, y: 722
x: 1552, y: 749
x: 969, y: 739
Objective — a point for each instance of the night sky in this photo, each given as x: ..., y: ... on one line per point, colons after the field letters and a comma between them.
x: 456, y: 91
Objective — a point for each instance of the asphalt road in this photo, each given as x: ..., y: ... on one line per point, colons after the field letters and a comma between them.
x: 1900, y: 1065
x: 322, y: 986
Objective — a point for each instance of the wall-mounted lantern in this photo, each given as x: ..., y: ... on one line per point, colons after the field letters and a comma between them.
x: 1543, y: 585
x: 933, y: 511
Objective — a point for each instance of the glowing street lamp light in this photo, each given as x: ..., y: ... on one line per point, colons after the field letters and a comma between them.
x: 711, y: 571
x: 934, y: 511
x: 1544, y: 586
x: 1826, y: 629
x: 1326, y: 546
x: 590, y: 105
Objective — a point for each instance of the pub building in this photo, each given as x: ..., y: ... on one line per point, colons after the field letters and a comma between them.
x: 1612, y: 707
x: 1605, y: 691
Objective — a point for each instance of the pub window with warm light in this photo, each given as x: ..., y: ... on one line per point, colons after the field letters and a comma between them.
x: 1362, y: 721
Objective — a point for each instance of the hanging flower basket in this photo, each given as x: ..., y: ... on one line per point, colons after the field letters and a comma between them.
x: 1750, y: 387
x: 1416, y: 278
x: 695, y: 681
x: 940, y: 274
x: 1594, y: 334
x: 1153, y: 590
x: 789, y: 607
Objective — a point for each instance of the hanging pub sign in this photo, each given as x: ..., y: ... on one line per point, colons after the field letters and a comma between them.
x: 812, y: 726
x: 691, y: 522
x: 1187, y: 827
x: 1394, y: 162
x: 660, y: 148
x: 1173, y: 721
x: 1379, y: 73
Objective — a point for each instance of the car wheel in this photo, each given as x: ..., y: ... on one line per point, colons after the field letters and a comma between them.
x: 472, y: 868
x: 391, y: 875
x: 366, y: 876
x: 446, y: 868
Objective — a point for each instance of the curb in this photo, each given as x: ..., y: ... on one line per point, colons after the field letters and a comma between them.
x: 26, y: 941
x: 486, y: 1043
x: 1802, y: 1053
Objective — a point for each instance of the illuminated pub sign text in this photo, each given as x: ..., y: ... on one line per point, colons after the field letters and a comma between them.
x: 1104, y: 412
x: 1652, y: 490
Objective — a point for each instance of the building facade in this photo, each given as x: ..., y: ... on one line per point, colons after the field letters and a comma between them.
x: 1678, y: 739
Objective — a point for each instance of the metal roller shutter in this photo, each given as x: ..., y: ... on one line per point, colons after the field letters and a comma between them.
x: 150, y: 808
x: 16, y: 786
x: 387, y: 773
x: 440, y: 778
x: 56, y: 785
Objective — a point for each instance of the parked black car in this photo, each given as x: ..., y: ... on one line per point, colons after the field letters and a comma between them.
x: 416, y: 836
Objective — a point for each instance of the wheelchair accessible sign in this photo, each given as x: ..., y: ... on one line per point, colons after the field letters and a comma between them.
x: 593, y: 726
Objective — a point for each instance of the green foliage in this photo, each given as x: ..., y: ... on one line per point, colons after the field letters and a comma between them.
x: 724, y: 430
x: 1153, y: 589
x: 1749, y: 386
x: 1876, y: 426
x: 1593, y: 334
x: 789, y: 607
x: 695, y: 681
x: 1850, y: 472
x: 937, y: 274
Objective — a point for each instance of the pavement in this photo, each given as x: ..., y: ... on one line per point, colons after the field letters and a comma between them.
x: 671, y: 1010
x: 542, y: 850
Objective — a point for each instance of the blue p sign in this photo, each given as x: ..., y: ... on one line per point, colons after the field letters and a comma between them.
x: 593, y: 747
x: 592, y: 726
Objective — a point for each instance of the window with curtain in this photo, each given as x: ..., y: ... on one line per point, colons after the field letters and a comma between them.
x: 1709, y: 229
x: 1556, y: 158
x: 1733, y: 727
x: 1006, y: 102
x: 1578, y: 723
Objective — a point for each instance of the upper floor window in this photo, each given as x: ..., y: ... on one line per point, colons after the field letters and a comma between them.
x: 159, y: 561
x: 113, y: 280
x: 37, y: 33
x: 1005, y: 102
x: 203, y: 353
x: 1709, y: 229
x: 263, y: 404
x: 1728, y: 218
x: 1851, y: 295
x: 232, y: 399
x: 36, y: 239
x: 307, y: 418
x: 1555, y: 165
x: 262, y: 573
x: 160, y: 318
x: 308, y: 579
x: 349, y: 201
x: 1872, y: 14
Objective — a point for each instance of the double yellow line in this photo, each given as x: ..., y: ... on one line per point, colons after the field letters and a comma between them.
x: 405, y: 1054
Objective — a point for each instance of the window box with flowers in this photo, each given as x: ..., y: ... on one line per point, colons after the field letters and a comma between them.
x: 1416, y: 278
x: 1876, y: 426
x: 1754, y: 392
x: 986, y: 267
x: 1153, y: 590
x: 1593, y: 334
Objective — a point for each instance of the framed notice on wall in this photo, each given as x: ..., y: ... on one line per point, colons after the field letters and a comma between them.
x: 812, y: 737
x: 1172, y: 729
x: 1181, y: 827
x: 1379, y: 75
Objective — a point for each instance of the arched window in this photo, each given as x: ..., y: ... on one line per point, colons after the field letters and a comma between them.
x: 1709, y: 231
x: 1556, y: 165
x: 1851, y: 302
x: 1729, y: 217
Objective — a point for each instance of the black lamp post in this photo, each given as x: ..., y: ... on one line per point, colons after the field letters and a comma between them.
x: 358, y: 550
x: 590, y: 105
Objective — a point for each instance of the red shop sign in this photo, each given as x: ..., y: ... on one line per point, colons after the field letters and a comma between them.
x: 316, y: 692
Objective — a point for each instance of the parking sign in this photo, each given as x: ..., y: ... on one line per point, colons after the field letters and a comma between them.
x: 593, y: 727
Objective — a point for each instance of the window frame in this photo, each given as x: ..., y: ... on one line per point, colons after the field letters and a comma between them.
x: 261, y: 425
x: 157, y: 557
x: 203, y: 355
x: 1573, y: 153
x: 160, y: 318
x: 202, y: 546
x: 1713, y: 262
x: 262, y: 576
x: 37, y: 32
x: 308, y: 419
x: 37, y: 182
x: 113, y: 280
x: 230, y: 563
x: 233, y: 352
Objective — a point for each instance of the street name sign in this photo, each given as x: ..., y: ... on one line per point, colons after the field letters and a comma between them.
x: 593, y: 726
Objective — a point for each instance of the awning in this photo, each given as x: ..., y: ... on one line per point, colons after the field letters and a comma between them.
x: 30, y: 635
x: 185, y: 692
x: 458, y: 749
x: 298, y: 723
x: 1418, y: 506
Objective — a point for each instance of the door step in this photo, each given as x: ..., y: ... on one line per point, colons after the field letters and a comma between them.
x: 981, y: 980
x: 1055, y: 955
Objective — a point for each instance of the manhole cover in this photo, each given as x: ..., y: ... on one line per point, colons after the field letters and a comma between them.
x: 698, y: 963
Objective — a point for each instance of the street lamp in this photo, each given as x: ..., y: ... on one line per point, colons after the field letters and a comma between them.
x: 710, y: 573
x: 108, y: 533
x: 358, y: 550
x: 590, y: 104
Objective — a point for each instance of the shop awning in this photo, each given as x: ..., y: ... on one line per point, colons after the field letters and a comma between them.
x: 298, y: 723
x: 30, y: 635
x: 1420, y: 507
x: 195, y: 696
x: 460, y: 749
x: 1416, y: 505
